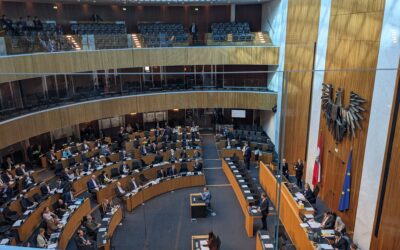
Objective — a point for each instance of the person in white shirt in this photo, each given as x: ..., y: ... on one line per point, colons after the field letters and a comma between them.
x: 120, y: 190
x: 132, y: 184
x: 41, y: 239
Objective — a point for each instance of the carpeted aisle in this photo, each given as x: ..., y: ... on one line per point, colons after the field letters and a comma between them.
x: 164, y: 222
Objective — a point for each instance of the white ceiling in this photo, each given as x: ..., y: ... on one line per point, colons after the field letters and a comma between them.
x: 149, y: 2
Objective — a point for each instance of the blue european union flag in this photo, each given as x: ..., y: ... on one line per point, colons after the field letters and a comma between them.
x: 345, y: 195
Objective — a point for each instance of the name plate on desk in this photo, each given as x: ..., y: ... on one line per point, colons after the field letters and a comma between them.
x: 241, y: 181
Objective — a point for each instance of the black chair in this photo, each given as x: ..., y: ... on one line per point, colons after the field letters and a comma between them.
x: 4, y: 225
x: 143, y: 179
x: 115, y: 172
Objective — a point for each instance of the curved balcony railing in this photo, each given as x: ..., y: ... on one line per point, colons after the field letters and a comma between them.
x: 49, y: 42
x: 44, y: 92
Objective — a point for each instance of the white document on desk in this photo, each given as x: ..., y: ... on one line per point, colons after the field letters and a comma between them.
x: 203, y: 245
x: 268, y: 245
x: 265, y: 237
x: 103, y: 229
x: 325, y: 246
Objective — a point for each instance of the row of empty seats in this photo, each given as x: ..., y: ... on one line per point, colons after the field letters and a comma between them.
x: 240, y: 31
x: 162, y: 34
x: 98, y: 28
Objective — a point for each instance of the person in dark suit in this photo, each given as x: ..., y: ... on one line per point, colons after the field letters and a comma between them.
x: 158, y: 158
x: 184, y: 155
x: 143, y: 150
x: 60, y: 208
x: 45, y: 189
x: 196, y: 154
x: 119, y: 190
x: 264, y: 210
x: 172, y: 171
x: 340, y: 243
x: 6, y: 193
x: 103, y: 178
x: 26, y: 202
x: 328, y: 222
x: 247, y: 156
x: 6, y: 176
x: 172, y: 157
x: 91, y: 226
x: 308, y: 194
x: 28, y: 181
x: 298, y: 167
x: 64, y: 175
x: 285, y: 168
x: 83, y: 243
x: 69, y: 198
x: 153, y: 148
x: 183, y: 168
x: 20, y: 170
x: 92, y: 185
x: 198, y: 166
x: 132, y: 184
x: 124, y: 168
x: 123, y: 155
x: 193, y: 32
x: 161, y: 173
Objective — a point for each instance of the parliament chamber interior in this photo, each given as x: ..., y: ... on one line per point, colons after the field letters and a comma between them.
x: 199, y: 124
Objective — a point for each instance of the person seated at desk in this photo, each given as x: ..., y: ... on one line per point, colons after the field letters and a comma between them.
x: 143, y: 150
x: 161, y: 173
x: 91, y: 226
x: 105, y: 151
x: 119, y: 190
x: 9, y: 214
x: 132, y: 184
x: 68, y: 197
x: 340, y: 243
x: 123, y: 155
x: 124, y: 168
x: 198, y: 166
x: 66, y: 153
x: 85, y: 146
x: 60, y: 208
x: 28, y: 181
x: 45, y: 189
x: 196, y: 154
x: 183, y: 168
x: 328, y: 222
x: 92, y: 185
x: 60, y: 185
x: 172, y: 171
x: 153, y: 148
x: 6, y: 193
x: 26, y: 202
x: 184, y: 155
x: 184, y: 144
x: 7, y: 176
x: 51, y: 158
x: 308, y: 193
x: 20, y: 170
x: 172, y: 157
x: 51, y: 219
x: 206, y: 197
x: 339, y: 224
x: 106, y: 206
x: 158, y: 158
x: 64, y: 175
x: 41, y: 240
x: 83, y: 243
x: 103, y: 178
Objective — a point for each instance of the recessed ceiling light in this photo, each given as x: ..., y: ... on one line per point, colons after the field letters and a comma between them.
x: 124, y: 9
x: 55, y: 7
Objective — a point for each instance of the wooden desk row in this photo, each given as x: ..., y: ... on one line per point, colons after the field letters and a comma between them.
x: 32, y: 221
x: 149, y: 158
x: 264, y: 157
x: 289, y: 209
x: 74, y: 221
x: 134, y: 200
x: 222, y: 143
x: 264, y: 241
x: 109, y: 223
x: 244, y: 200
x: 150, y: 173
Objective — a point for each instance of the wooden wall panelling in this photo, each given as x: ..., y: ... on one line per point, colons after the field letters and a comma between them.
x: 15, y: 130
x: 389, y: 226
x: 70, y: 62
x: 353, y: 44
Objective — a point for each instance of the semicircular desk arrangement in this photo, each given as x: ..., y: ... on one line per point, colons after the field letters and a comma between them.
x: 185, y: 175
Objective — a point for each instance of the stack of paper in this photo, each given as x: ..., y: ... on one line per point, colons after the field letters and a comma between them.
x: 268, y: 245
x: 265, y: 237
x: 314, y: 224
